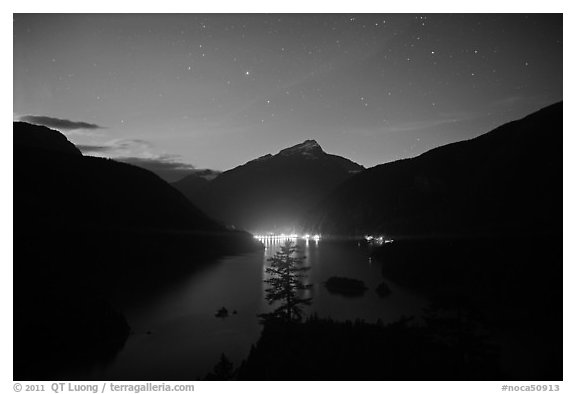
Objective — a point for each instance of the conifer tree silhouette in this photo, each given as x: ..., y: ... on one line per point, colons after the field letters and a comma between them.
x: 285, y: 280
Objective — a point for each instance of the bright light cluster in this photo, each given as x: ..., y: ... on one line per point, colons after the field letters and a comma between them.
x: 270, y: 236
x: 377, y: 239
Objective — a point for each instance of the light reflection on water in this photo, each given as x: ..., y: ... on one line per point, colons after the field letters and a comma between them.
x: 177, y: 336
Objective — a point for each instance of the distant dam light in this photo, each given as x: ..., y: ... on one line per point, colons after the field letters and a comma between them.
x: 293, y: 236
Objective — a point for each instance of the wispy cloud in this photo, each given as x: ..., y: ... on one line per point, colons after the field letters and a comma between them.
x: 166, y: 167
x: 93, y: 149
x: 444, y: 118
x: 419, y: 125
x: 58, y: 123
x: 140, y: 153
x: 119, y: 148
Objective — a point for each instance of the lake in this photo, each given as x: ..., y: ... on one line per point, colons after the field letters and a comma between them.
x: 176, y: 335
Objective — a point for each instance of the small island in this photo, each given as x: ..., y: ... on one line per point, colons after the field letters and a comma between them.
x: 345, y: 286
x: 383, y: 290
x: 222, y: 312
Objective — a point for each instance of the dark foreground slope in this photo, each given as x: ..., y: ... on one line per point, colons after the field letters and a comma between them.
x: 272, y: 192
x: 84, y: 228
x: 510, y: 286
x: 507, y: 180
x: 322, y: 349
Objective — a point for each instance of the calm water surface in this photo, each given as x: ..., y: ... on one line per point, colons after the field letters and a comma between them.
x: 177, y: 336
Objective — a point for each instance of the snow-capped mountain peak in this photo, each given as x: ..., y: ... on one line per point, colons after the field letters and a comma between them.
x: 306, y: 148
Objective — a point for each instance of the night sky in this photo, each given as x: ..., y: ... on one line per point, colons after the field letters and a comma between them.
x: 173, y: 92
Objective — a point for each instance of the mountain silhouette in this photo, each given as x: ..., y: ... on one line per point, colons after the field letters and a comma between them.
x: 507, y: 180
x: 29, y: 136
x: 196, y: 181
x: 53, y: 188
x: 272, y: 193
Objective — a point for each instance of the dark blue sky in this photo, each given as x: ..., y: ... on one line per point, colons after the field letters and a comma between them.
x: 214, y: 91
